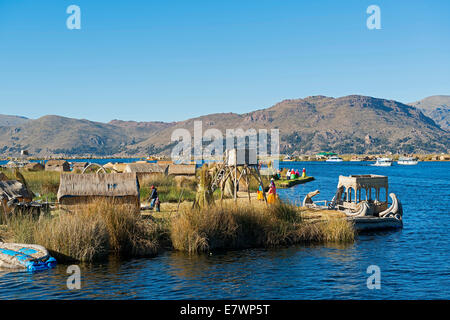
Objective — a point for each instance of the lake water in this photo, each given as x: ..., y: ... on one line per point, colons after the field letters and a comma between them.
x: 414, y: 262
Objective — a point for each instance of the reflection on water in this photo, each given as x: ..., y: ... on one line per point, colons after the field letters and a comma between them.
x: 414, y: 262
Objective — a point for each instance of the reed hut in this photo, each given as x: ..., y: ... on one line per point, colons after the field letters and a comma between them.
x: 109, y: 165
x: 143, y: 170
x: 182, y: 170
x: 57, y: 165
x: 119, y: 167
x: 79, y: 166
x: 76, y: 190
x: 34, y: 166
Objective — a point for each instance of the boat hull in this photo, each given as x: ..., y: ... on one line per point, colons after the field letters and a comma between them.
x: 407, y: 163
x: 362, y: 224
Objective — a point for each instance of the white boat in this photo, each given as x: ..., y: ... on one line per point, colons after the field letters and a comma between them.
x: 334, y: 159
x: 407, y: 161
x: 383, y: 162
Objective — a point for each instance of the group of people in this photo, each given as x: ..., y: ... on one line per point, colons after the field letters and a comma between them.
x: 294, y: 174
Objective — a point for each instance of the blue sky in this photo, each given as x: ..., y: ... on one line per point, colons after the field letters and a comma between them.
x: 172, y: 60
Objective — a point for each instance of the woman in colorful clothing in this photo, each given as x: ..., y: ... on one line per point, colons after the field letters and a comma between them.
x: 272, y: 197
x: 292, y: 174
x: 260, y: 193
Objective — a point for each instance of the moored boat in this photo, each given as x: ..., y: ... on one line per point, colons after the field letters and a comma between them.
x: 407, y: 161
x: 383, y: 162
x: 334, y: 159
x: 29, y: 257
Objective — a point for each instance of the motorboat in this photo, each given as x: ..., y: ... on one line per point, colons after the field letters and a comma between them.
x: 407, y: 161
x: 383, y: 162
x: 334, y: 159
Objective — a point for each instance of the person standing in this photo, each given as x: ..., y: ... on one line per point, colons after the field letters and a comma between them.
x: 288, y: 174
x: 272, y: 197
x: 153, y: 197
x: 260, y: 193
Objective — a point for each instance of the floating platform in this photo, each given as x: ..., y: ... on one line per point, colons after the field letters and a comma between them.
x: 285, y: 183
x: 29, y: 257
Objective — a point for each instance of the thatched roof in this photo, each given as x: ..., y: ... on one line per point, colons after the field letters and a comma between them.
x: 120, y: 167
x: 182, y: 169
x: 34, y: 166
x: 145, y: 168
x: 56, y: 163
x: 80, y: 164
x: 100, y: 184
x: 13, y: 189
x: 109, y: 165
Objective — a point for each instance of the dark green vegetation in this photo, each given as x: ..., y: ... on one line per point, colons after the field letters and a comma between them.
x: 285, y: 183
x: 168, y: 189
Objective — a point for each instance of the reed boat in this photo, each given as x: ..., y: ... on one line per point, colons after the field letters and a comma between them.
x: 29, y: 257
x: 359, y: 197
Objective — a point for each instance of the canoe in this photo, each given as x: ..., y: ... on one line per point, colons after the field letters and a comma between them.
x: 29, y: 257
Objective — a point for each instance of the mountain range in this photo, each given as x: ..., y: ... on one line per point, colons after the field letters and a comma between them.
x: 351, y: 124
x: 437, y: 108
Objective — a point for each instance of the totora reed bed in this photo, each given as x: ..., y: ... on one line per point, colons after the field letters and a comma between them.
x: 108, y: 228
x: 255, y: 225
x: 89, y: 234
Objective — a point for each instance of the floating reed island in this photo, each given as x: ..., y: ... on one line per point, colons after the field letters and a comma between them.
x: 92, y: 215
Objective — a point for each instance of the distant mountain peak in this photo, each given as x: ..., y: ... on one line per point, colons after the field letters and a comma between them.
x: 437, y: 108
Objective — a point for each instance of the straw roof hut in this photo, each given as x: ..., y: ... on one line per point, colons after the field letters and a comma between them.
x: 82, y: 189
x: 182, y: 169
x: 57, y: 165
x: 109, y: 165
x: 34, y: 166
x: 79, y: 166
x: 119, y: 167
x: 146, y: 169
